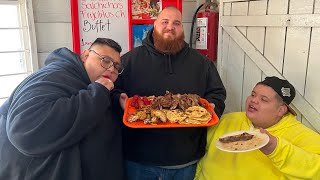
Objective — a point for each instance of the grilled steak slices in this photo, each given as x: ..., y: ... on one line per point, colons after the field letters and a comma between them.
x: 241, y: 137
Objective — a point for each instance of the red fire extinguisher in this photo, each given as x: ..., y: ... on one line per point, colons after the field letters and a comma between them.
x: 207, y: 30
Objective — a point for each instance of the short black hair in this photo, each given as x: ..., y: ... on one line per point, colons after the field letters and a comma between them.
x: 108, y: 42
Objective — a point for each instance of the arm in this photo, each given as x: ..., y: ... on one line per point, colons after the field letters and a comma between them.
x: 215, y: 92
x: 299, y: 158
x: 45, y: 117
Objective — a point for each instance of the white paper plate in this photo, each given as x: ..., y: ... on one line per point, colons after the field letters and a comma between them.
x: 259, y: 140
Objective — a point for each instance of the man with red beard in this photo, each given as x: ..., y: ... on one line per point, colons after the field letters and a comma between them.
x: 292, y: 152
x: 163, y: 63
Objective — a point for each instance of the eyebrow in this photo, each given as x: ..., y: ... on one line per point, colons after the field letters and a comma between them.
x: 253, y: 92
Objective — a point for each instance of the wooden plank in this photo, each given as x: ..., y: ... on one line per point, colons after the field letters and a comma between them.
x: 240, y: 9
x: 227, y: 9
x: 307, y: 123
x: 32, y: 44
x: 51, y: 11
x: 277, y: 7
x: 275, y: 36
x: 296, y: 56
x: 317, y: 6
x: 235, y: 64
x: 301, y: 6
x: 252, y: 75
x: 224, y: 56
x: 258, y: 7
x: 312, y: 93
x: 256, y: 35
x: 305, y: 20
x: 51, y: 36
x: 234, y: 77
x: 304, y: 107
x: 223, y: 42
x: 274, y: 46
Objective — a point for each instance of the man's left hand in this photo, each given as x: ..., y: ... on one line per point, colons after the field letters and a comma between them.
x: 269, y: 148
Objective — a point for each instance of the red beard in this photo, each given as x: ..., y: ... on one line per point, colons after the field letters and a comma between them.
x: 169, y: 46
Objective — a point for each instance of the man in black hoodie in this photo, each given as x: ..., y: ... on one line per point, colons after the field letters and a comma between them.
x: 58, y: 125
x: 165, y: 62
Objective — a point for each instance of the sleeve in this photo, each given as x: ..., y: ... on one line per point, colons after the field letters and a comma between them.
x: 215, y: 92
x: 45, y: 117
x: 119, y: 87
x: 300, y: 160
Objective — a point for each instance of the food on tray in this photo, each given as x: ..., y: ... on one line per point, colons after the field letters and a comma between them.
x: 175, y: 108
x: 240, y: 137
x: 242, y: 141
x: 176, y: 116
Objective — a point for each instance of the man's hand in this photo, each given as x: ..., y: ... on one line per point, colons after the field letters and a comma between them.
x: 106, y: 82
x: 269, y: 148
x: 212, y: 105
x: 123, y: 99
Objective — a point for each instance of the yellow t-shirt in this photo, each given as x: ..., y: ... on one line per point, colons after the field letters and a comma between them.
x: 297, y: 155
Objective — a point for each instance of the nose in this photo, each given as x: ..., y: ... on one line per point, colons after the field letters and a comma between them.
x: 112, y: 69
x: 254, y: 99
x: 170, y: 26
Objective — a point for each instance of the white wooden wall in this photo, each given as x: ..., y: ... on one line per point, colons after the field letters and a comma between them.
x: 53, y: 24
x: 271, y: 37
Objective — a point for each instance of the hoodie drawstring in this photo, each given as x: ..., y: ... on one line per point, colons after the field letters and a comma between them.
x: 168, y: 64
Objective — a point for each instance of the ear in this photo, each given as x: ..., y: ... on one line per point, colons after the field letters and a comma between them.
x: 283, y: 109
x: 85, y: 55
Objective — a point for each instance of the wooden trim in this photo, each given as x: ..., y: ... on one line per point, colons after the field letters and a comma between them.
x: 33, y: 48
x: 303, y: 20
x: 299, y: 102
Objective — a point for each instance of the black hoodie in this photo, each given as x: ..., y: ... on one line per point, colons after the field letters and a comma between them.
x: 149, y: 72
x: 57, y: 125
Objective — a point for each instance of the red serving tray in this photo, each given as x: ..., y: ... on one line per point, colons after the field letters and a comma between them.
x: 140, y: 124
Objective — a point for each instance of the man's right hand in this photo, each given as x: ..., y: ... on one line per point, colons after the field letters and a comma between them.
x: 123, y: 99
x: 106, y: 82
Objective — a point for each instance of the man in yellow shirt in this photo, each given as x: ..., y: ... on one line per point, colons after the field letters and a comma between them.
x: 293, y: 151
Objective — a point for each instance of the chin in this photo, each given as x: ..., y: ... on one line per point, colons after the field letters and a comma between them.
x: 250, y: 115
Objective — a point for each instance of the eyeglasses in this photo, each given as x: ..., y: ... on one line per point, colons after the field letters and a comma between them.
x: 107, y: 62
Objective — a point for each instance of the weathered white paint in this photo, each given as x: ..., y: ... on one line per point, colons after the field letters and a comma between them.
x: 52, y: 11
x: 277, y: 7
x: 312, y: 81
x: 317, y: 6
x: 31, y: 31
x: 301, y: 6
x: 235, y: 65
x: 252, y: 75
x: 274, y: 46
x: 296, y: 56
x: 53, y: 35
x: 304, y: 20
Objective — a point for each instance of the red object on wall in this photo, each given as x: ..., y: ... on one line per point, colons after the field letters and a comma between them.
x: 207, y: 32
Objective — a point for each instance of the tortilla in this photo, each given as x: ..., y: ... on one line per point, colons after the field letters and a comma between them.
x: 258, y: 140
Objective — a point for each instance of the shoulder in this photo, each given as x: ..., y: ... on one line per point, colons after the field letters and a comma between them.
x: 234, y: 115
x: 134, y: 52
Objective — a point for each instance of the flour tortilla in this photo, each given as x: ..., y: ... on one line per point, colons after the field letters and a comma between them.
x: 259, y: 140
